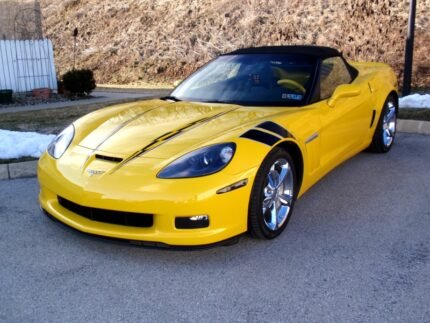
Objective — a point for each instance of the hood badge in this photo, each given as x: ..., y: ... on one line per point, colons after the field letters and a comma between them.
x: 92, y: 172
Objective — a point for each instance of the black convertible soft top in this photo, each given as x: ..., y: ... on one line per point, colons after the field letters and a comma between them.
x: 307, y: 50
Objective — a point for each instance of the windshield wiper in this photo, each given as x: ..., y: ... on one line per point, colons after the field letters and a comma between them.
x: 216, y: 101
x: 171, y: 98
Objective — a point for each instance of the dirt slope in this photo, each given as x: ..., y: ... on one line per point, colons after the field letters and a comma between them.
x: 160, y: 40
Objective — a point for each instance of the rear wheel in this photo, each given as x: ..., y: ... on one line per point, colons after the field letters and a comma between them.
x: 273, y: 195
x: 385, y: 132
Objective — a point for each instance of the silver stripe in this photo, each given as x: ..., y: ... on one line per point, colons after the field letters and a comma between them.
x: 118, y: 128
x: 121, y: 126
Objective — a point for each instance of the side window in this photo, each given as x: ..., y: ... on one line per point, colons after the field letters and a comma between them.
x: 333, y: 72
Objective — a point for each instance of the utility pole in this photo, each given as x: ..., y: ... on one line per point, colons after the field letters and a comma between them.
x: 409, y: 51
x: 75, y: 35
x: 38, y: 19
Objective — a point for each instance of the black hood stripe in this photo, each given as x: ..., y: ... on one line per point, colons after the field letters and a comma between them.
x: 275, y: 128
x: 261, y: 136
x: 169, y: 136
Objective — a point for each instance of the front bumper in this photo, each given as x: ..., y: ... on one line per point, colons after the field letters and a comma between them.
x: 166, y: 200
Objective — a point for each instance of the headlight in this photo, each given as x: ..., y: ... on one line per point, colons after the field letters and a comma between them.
x: 201, y: 162
x: 59, y: 145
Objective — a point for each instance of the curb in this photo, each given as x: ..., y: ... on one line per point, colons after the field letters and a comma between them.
x: 18, y: 170
x: 29, y: 168
x: 156, y: 90
x: 100, y: 104
x: 414, y: 126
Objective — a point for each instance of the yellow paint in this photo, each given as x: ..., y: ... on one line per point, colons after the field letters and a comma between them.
x: 327, y: 133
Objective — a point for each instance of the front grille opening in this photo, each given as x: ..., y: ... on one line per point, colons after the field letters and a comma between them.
x: 141, y: 220
x: 109, y: 158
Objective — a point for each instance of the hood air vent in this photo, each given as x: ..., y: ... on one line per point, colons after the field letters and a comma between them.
x: 109, y: 158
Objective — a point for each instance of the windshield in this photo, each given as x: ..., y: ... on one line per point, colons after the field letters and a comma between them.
x: 250, y: 79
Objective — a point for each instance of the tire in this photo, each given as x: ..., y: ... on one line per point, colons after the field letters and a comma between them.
x: 276, y: 196
x: 385, y: 132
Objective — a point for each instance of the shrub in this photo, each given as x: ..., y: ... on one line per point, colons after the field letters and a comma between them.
x: 79, y: 82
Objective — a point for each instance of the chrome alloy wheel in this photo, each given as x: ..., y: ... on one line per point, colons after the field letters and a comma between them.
x: 278, y: 194
x: 389, y: 125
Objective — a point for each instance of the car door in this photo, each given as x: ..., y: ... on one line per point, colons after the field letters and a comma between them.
x: 345, y: 113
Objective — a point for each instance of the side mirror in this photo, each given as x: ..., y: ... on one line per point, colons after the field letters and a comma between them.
x: 344, y: 91
x: 176, y: 83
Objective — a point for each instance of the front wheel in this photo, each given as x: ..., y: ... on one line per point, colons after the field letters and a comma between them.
x: 385, y: 132
x: 272, y: 196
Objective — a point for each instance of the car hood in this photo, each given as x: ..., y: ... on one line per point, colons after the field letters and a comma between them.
x: 161, y: 129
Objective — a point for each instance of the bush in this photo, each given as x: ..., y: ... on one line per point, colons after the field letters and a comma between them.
x: 79, y: 82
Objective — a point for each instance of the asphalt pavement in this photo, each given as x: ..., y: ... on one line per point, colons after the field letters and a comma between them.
x: 356, y: 250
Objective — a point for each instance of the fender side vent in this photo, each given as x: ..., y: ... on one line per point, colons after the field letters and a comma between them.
x: 373, y: 118
x: 109, y: 158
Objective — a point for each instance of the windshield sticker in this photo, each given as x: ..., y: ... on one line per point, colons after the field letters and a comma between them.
x: 290, y: 96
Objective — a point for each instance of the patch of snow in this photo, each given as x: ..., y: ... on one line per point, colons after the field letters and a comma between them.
x: 421, y: 101
x: 16, y: 144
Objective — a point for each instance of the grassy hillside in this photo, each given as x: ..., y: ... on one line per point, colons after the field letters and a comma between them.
x: 160, y: 40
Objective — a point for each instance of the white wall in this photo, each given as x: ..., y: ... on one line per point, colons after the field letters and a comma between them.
x: 26, y: 65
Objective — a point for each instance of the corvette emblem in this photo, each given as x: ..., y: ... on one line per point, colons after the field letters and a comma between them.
x: 92, y: 172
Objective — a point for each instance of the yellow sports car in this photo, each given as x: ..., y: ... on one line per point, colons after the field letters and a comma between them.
x: 228, y: 152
